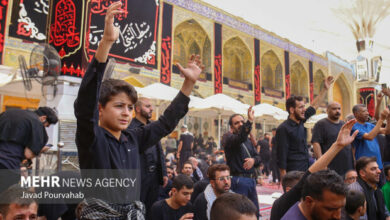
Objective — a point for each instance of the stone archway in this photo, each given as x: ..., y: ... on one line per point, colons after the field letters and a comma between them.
x: 319, y: 78
x: 190, y: 38
x: 237, y: 61
x: 272, y: 71
x: 299, y: 80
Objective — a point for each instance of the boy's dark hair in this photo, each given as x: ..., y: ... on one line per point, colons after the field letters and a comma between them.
x: 362, y: 162
x: 291, y: 179
x: 231, y: 206
x: 182, y: 180
x: 231, y: 118
x: 169, y: 167
x: 290, y: 102
x: 51, y: 114
x: 387, y: 168
x: 14, y: 195
x: 273, y: 129
x: 112, y: 87
x: 317, y: 182
x: 214, y: 168
x: 354, y: 200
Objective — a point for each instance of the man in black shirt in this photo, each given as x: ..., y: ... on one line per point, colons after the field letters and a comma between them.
x: 220, y: 182
x: 153, y: 171
x: 186, y: 143
x: 22, y: 136
x: 101, y: 119
x: 291, y: 134
x: 265, y: 154
x: 273, y: 163
x: 241, y: 156
x: 178, y: 206
x: 324, y: 135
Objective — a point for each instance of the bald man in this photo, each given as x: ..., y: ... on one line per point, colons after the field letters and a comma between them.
x: 153, y: 170
x: 325, y: 134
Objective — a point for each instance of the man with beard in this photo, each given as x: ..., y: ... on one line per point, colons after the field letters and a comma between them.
x: 366, y: 143
x: 220, y: 182
x: 22, y: 136
x: 153, y: 170
x: 323, y: 197
x: 291, y: 134
x: 325, y: 134
x: 367, y: 182
x: 241, y: 156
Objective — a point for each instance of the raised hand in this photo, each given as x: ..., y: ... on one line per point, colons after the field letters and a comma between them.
x: 386, y: 91
x: 193, y: 70
x: 379, y: 97
x: 384, y: 114
x: 345, y: 138
x: 328, y: 82
x: 111, y: 33
x: 251, y: 114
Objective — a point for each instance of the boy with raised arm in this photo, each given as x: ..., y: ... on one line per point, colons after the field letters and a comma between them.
x: 103, y: 110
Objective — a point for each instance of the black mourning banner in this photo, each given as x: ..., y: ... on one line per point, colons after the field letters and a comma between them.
x: 287, y: 72
x: 166, y: 45
x: 66, y: 35
x: 311, y: 81
x: 138, y: 35
x: 367, y: 97
x: 257, y: 72
x: 217, y: 58
x: 29, y: 19
x: 3, y: 16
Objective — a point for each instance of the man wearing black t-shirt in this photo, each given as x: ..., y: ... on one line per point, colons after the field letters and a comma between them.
x: 186, y: 143
x: 178, y: 207
x: 291, y: 134
x: 324, y: 135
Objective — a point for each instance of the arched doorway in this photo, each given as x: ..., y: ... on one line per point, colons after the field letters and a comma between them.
x: 190, y: 38
x: 237, y: 61
x: 272, y: 71
x: 299, y: 81
x: 319, y: 78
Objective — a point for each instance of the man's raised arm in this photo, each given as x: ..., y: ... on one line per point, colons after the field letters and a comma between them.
x: 86, y: 103
x: 232, y: 139
x: 153, y: 132
x: 320, y: 98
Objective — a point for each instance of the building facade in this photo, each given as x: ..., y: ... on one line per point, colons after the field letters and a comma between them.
x: 241, y: 60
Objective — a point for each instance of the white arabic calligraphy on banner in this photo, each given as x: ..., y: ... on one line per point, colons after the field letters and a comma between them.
x: 131, y: 35
x: 42, y: 6
x: 26, y: 22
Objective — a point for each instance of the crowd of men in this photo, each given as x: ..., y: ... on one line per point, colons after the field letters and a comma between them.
x: 186, y: 179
